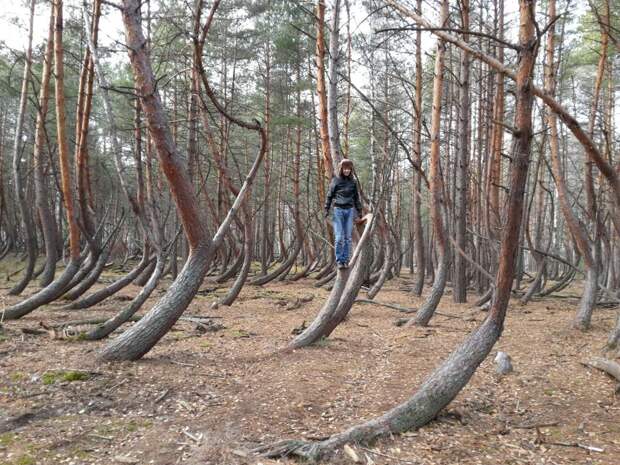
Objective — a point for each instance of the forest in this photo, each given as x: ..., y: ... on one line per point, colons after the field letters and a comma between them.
x: 310, y: 231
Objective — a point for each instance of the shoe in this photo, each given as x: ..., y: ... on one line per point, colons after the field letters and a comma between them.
x: 341, y: 266
x: 345, y: 265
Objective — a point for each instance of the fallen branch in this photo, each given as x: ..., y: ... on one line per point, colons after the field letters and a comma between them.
x: 608, y: 366
x: 402, y: 309
x: 535, y: 425
x: 381, y: 454
x: 575, y: 444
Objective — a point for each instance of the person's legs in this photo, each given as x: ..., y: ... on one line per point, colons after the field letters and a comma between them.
x: 348, y: 234
x: 339, y: 233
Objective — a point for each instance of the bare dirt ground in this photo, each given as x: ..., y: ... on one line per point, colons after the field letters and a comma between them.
x: 208, y: 397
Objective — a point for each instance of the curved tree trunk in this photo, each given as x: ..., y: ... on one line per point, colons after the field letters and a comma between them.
x: 20, y: 195
x: 425, y: 313
x: 248, y: 248
x: 443, y: 385
x: 44, y: 296
x: 427, y: 310
x: 343, y: 294
x: 57, y: 287
x: 87, y: 266
x: 47, y: 219
x: 125, y: 315
x: 232, y: 270
x: 385, y: 269
x: 92, y: 277
x: 284, y: 267
x: 579, y: 235
x: 536, y: 284
x: 327, y: 270
x: 325, y: 279
x: 562, y: 283
x: 140, y: 338
x: 113, y: 288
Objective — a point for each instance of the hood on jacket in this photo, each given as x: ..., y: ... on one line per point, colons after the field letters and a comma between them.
x: 345, y: 162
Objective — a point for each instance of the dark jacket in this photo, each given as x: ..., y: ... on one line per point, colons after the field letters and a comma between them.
x: 343, y: 192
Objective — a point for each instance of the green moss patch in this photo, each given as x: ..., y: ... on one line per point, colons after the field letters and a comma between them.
x: 51, y: 377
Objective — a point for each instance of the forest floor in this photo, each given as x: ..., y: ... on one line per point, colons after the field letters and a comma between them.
x: 208, y: 397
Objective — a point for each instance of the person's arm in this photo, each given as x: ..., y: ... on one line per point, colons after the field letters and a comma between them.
x: 330, y: 195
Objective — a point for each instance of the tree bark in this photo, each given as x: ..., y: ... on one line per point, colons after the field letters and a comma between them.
x: 459, y: 294
x: 20, y: 194
x: 607, y: 170
x: 425, y: 313
x: 418, y: 231
x: 125, y: 315
x: 497, y: 139
x: 57, y: 287
x: 46, y: 217
x: 332, y: 88
x: 113, y: 288
x: 141, y: 337
x: 448, y: 380
x: 343, y: 293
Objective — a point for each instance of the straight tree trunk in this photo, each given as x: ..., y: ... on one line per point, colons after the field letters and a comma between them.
x: 495, y: 170
x: 332, y: 88
x: 460, y: 203
x: 418, y: 231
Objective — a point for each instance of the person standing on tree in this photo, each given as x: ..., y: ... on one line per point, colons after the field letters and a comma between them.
x: 344, y: 193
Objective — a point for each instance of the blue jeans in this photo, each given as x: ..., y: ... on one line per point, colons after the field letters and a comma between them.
x: 343, y: 229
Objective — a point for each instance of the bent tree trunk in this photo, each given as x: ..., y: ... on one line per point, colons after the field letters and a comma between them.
x: 48, y: 222
x: 446, y: 382
x: 92, y: 277
x: 425, y: 313
x: 387, y: 265
x: 141, y: 337
x: 578, y: 233
x: 248, y: 248
x: 346, y: 287
x: 44, y: 296
x: 614, y: 337
x: 27, y: 223
x: 57, y: 287
x: 125, y: 315
x: 113, y: 288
